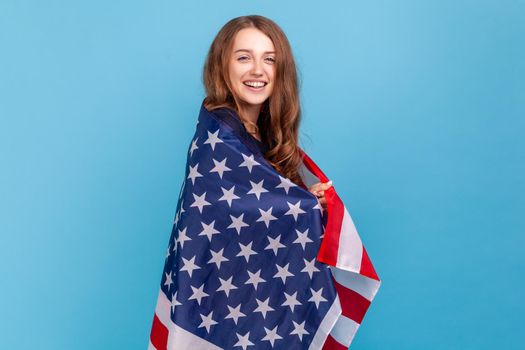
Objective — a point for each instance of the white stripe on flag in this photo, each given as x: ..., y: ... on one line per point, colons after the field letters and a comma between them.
x: 350, y: 247
x: 344, y: 330
x: 326, y: 325
x: 150, y: 346
x: 363, y: 285
x: 181, y: 339
x: 163, y: 309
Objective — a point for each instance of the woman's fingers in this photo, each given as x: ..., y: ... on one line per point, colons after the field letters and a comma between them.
x: 315, y: 188
x: 319, y: 188
x: 326, y: 185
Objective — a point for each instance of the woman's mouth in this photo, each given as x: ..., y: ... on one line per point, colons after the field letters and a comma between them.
x: 255, y: 85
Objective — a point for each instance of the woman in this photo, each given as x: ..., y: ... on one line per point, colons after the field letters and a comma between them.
x: 250, y: 69
x: 253, y: 263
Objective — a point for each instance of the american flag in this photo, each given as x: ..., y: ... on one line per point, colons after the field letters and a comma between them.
x: 253, y: 262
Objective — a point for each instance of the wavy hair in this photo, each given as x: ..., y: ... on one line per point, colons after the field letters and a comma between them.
x: 280, y: 114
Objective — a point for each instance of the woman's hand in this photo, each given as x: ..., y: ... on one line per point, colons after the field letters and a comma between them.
x: 318, y: 190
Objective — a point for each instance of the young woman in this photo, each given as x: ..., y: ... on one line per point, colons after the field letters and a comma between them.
x: 263, y: 254
x: 250, y: 69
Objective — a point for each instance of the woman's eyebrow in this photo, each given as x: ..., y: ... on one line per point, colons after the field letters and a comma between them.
x: 252, y: 51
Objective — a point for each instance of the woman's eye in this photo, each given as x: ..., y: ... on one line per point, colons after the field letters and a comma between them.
x: 242, y: 58
x: 271, y: 59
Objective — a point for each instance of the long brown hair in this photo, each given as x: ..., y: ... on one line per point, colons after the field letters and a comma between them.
x: 280, y: 114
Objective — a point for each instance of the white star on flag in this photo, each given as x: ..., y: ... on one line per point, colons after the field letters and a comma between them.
x: 309, y: 267
x: 263, y: 307
x: 220, y: 167
x: 174, y: 301
x: 183, y: 237
x: 237, y: 223
x: 275, y: 244
x: 235, y: 313
x: 213, y: 139
x: 208, y: 230
x: 266, y: 216
x: 228, y: 195
x: 243, y: 340
x: 189, y: 265
x: 299, y: 329
x: 302, y: 238
x: 271, y: 335
x: 193, y: 146
x: 317, y: 296
x: 291, y: 300
x: 193, y: 173
x: 248, y: 162
x: 174, y: 244
x: 285, y: 184
x: 207, y: 321
x: 176, y: 218
x: 169, y: 280
x: 295, y: 209
x: 198, y: 294
x: 255, y: 279
x: 283, y: 273
x: 246, y: 251
x: 181, y: 206
x: 200, y: 201
x: 257, y: 189
x: 178, y: 215
x: 226, y: 286
x: 217, y: 258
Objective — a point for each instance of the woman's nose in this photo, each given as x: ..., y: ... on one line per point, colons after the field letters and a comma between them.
x: 257, y: 67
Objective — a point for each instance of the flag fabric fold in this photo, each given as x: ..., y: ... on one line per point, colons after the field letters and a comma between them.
x: 253, y: 262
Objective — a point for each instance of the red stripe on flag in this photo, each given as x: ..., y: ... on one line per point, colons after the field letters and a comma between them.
x: 331, y: 344
x: 353, y: 304
x: 366, y: 267
x: 329, y: 249
x: 159, y: 334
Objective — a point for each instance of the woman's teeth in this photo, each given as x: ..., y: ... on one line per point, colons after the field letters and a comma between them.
x: 254, y: 84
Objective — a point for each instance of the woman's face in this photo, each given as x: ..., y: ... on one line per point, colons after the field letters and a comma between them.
x: 252, y: 66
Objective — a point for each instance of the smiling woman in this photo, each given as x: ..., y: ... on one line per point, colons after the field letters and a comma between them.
x: 252, y: 72
x: 265, y: 254
x: 254, y: 48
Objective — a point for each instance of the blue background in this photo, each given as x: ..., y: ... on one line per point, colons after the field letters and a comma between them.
x: 415, y: 109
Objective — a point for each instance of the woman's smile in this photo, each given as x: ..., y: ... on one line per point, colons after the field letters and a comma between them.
x: 255, y: 86
x: 252, y: 68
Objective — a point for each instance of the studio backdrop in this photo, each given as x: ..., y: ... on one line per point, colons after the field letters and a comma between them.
x: 415, y: 110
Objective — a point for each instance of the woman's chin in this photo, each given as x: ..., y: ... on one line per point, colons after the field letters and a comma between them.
x: 253, y: 101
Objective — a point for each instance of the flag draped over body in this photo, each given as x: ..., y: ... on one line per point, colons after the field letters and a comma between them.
x: 253, y: 262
